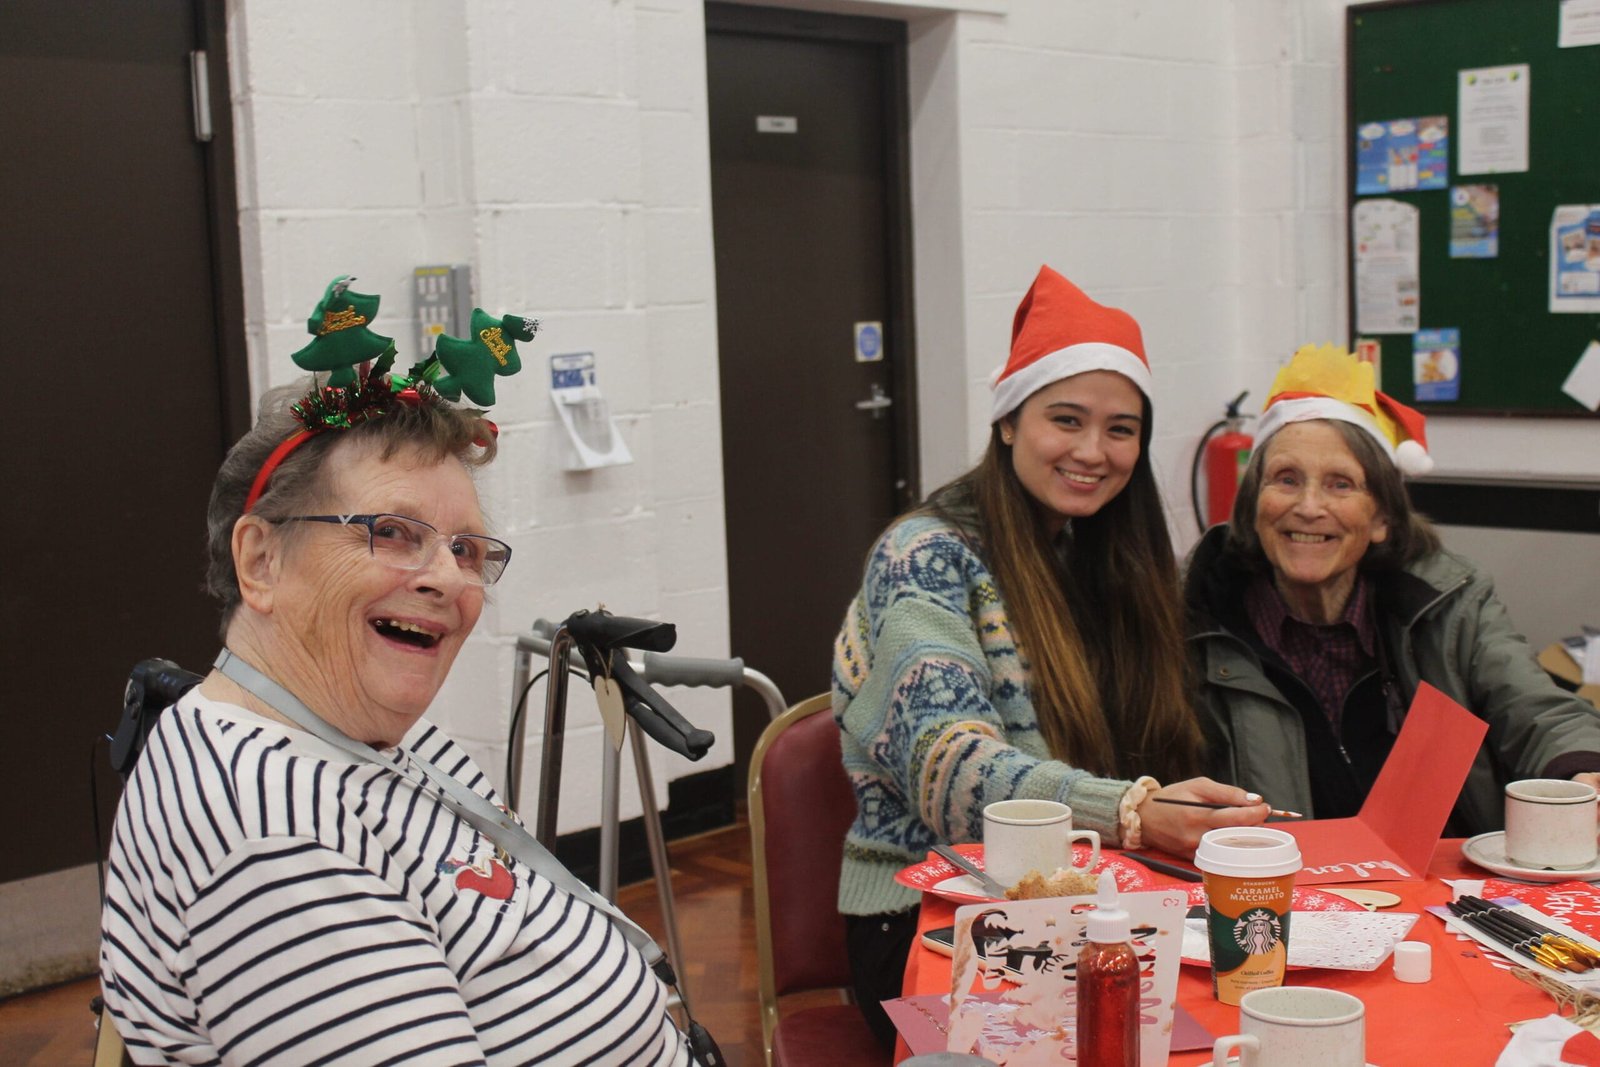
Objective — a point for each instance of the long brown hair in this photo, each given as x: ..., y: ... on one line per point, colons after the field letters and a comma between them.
x: 1096, y: 615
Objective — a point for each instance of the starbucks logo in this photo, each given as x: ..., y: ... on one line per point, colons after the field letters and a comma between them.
x: 1257, y: 931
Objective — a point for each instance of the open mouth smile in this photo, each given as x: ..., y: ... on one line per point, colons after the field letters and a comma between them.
x: 403, y: 632
x: 1086, y: 480
x: 1308, y: 538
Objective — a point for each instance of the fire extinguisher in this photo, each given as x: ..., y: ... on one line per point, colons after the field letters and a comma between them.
x: 1225, y: 450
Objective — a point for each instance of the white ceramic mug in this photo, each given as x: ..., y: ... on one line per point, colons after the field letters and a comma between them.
x: 1031, y: 835
x: 1550, y: 823
x: 1297, y: 1026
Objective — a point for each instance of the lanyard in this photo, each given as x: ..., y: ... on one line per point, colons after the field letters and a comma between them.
x: 493, y: 823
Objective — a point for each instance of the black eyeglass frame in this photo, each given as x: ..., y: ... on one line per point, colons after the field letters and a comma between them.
x: 370, y: 522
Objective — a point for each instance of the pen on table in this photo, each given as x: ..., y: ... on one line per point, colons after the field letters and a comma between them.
x: 1223, y: 807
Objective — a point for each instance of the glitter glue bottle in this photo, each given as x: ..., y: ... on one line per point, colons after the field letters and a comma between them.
x: 1108, y: 986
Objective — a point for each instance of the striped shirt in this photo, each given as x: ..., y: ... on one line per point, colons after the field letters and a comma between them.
x: 269, y: 900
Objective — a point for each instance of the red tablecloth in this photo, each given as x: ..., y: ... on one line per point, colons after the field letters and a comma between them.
x: 1458, y: 1018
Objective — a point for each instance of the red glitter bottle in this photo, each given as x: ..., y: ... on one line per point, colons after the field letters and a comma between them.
x: 1108, y: 987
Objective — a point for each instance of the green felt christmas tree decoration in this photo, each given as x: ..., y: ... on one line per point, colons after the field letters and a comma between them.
x: 471, y: 365
x: 342, y: 337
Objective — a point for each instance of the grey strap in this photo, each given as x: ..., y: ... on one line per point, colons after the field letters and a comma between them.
x: 493, y: 823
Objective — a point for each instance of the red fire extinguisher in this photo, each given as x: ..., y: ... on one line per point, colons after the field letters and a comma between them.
x: 1225, y: 449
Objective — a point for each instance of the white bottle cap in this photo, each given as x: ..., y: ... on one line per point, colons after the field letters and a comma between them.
x: 1413, y: 961
x: 1108, y: 923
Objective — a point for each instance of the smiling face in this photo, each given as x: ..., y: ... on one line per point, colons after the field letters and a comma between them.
x: 367, y: 645
x: 1075, y: 442
x: 1315, y: 518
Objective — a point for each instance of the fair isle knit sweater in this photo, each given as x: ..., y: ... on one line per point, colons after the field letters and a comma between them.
x: 932, y: 697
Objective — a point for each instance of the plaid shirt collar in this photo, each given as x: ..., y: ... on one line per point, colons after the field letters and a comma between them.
x: 1328, y: 658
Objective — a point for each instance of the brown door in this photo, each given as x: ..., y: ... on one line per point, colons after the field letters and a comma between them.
x: 114, y: 419
x: 807, y: 184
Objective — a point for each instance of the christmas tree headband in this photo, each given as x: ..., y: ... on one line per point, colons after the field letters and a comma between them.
x: 361, y: 385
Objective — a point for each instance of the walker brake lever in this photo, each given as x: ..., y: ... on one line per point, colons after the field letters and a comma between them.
x: 655, y: 716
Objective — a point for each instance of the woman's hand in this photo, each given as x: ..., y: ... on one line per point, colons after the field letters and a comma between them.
x: 1176, y: 829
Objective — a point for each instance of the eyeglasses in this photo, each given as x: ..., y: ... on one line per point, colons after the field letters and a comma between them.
x: 408, y: 544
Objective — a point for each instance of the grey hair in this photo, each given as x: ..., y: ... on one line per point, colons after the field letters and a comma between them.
x: 436, y: 431
x: 1411, y: 535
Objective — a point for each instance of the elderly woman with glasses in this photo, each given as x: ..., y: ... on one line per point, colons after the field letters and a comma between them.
x: 1318, y: 610
x: 273, y: 897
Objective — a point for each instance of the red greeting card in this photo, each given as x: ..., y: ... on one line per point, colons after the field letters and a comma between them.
x: 1394, y: 835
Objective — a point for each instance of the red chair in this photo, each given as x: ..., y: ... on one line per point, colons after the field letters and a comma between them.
x: 801, y: 804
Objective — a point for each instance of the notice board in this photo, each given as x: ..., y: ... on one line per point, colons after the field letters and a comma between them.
x: 1406, y: 61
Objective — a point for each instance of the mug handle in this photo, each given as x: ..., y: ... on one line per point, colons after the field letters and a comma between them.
x: 1249, y: 1046
x: 1094, y: 845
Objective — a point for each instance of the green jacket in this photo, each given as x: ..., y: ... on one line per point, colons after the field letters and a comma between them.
x: 1441, y: 623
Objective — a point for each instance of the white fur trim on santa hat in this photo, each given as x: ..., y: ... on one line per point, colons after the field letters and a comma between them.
x: 1306, y: 408
x: 1011, y: 391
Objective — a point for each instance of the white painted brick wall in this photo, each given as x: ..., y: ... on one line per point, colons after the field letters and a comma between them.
x: 559, y: 148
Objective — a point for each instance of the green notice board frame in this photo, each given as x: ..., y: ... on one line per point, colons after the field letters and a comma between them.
x: 1401, y: 61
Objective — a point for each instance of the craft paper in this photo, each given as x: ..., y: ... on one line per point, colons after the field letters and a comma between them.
x: 1436, y: 365
x: 1027, y: 1017
x: 1394, y: 835
x: 1583, y: 384
x: 1475, y: 222
x: 1492, y: 103
x: 923, y: 1020
x: 1575, y: 258
x: 1388, y: 286
x: 1335, y: 940
x: 1398, y: 155
x: 1580, y: 23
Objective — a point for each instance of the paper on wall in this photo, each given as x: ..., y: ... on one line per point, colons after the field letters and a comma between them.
x: 1474, y: 222
x: 1583, y: 384
x: 1580, y: 23
x: 1575, y: 258
x: 1436, y: 364
x: 1401, y: 155
x: 1492, y: 103
x: 1388, y: 284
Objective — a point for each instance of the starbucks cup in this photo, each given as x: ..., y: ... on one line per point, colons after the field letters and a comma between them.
x: 1249, y: 878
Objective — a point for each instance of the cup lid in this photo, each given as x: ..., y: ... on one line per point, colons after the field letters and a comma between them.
x: 1248, y: 852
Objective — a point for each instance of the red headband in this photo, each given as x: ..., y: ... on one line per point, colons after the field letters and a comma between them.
x: 300, y: 437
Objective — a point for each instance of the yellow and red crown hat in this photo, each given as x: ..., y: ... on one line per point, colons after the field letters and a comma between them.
x: 1059, y: 331
x: 1326, y: 382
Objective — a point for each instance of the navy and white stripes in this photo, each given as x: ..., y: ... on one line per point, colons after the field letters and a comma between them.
x: 269, y: 900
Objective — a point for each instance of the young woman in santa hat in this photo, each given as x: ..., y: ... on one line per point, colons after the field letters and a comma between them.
x: 1020, y: 634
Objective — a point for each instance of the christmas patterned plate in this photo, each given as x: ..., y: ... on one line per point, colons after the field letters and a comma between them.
x: 940, y: 878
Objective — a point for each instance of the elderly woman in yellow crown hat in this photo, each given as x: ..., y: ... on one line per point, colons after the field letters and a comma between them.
x: 1317, y: 611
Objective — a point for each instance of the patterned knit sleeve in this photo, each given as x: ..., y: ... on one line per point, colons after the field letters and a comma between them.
x: 924, y: 708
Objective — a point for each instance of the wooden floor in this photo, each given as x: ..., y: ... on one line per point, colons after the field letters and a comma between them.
x: 716, y: 923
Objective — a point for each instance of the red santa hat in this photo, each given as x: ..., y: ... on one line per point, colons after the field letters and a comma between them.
x: 1059, y: 332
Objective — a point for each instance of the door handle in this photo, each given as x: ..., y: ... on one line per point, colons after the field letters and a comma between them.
x: 876, y: 402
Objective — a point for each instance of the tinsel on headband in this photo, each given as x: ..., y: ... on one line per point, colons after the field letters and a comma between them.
x: 361, y: 385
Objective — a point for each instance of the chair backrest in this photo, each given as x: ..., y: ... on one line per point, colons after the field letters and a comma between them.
x: 801, y: 804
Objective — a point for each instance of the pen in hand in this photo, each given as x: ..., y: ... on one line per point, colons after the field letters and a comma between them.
x: 1223, y: 807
